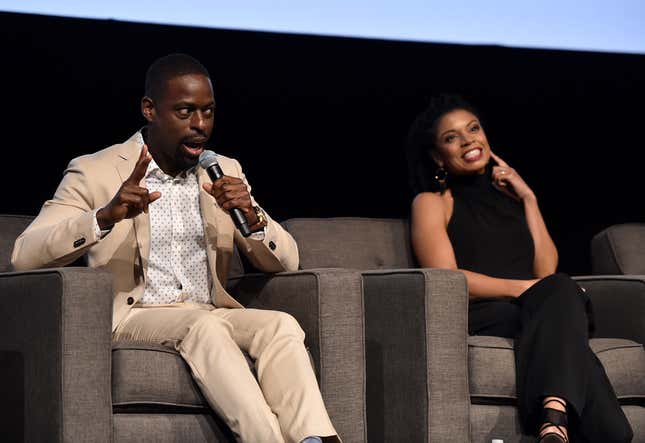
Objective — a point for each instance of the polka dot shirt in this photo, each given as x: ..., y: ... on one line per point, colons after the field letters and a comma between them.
x: 178, y: 266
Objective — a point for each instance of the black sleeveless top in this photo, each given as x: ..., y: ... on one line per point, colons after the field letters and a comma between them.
x: 488, y: 230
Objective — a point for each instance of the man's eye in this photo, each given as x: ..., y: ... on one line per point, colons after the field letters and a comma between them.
x: 209, y: 111
x: 183, y: 112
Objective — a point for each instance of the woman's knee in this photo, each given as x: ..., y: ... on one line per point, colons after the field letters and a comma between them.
x: 556, y: 288
x: 560, y: 283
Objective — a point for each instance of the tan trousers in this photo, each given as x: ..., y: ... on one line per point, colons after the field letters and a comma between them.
x: 284, y: 404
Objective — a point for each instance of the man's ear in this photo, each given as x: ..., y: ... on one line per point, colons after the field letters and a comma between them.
x: 148, y: 109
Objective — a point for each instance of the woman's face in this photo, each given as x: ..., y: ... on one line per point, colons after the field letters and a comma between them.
x: 461, y: 146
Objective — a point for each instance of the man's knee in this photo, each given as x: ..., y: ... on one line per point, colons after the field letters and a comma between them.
x: 284, y: 324
x: 288, y: 325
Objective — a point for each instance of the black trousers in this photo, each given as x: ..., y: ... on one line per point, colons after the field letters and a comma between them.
x: 550, y: 323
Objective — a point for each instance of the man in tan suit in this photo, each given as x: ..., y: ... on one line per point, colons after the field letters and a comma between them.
x: 145, y: 210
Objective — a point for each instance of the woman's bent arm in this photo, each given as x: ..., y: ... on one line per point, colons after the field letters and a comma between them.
x: 433, y: 248
x: 545, y: 261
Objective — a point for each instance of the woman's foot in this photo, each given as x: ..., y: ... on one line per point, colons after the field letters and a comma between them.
x: 554, y: 426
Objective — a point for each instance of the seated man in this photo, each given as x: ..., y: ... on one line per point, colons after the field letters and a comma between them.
x: 145, y: 210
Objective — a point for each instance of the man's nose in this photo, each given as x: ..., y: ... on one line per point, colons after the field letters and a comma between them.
x: 198, y: 121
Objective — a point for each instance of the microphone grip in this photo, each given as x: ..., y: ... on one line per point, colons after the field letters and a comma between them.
x: 240, y: 221
x: 214, y: 172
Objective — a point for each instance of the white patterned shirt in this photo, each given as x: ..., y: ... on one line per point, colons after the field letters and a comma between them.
x: 177, y: 266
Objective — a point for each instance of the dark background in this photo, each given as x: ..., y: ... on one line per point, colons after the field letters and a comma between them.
x: 319, y: 122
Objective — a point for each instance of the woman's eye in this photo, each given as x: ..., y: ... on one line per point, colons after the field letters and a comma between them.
x: 449, y: 138
x: 474, y: 128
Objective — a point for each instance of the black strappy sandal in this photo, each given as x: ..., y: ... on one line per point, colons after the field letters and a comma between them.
x: 553, y: 417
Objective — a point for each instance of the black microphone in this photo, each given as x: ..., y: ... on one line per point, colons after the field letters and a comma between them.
x: 208, y: 161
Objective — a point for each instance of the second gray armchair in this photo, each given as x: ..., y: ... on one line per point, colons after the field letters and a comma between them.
x: 427, y: 380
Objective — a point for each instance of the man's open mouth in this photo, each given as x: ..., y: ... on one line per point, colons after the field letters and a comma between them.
x: 193, y: 148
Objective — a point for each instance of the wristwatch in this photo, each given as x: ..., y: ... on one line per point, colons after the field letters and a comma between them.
x: 262, y: 217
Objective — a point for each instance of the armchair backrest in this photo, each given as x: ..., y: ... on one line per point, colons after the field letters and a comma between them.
x: 11, y: 226
x: 352, y: 242
x: 341, y: 242
x: 619, y: 249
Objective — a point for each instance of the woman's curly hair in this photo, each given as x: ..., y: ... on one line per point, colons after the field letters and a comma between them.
x: 422, y: 138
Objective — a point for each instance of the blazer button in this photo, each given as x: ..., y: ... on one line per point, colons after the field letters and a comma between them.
x: 79, y: 242
x: 272, y: 246
x: 130, y: 301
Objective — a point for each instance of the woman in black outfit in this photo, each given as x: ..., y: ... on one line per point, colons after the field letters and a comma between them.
x: 474, y: 213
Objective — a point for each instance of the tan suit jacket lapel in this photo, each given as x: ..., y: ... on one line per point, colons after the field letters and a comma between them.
x: 218, y: 233
x: 209, y: 219
x: 140, y: 223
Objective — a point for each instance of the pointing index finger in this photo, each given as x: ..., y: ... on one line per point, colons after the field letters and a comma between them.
x: 498, y: 160
x: 141, y: 167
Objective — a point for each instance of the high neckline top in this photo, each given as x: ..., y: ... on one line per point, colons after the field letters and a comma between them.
x: 488, y: 229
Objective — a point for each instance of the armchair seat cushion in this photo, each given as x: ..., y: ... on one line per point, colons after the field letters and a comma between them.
x: 152, y: 375
x: 492, y: 368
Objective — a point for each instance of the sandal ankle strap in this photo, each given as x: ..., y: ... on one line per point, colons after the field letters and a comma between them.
x: 545, y: 402
x: 555, y: 417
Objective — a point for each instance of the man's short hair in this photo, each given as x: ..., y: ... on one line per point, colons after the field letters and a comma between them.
x: 168, y: 67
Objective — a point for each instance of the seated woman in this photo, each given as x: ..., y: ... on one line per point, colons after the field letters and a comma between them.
x: 473, y: 212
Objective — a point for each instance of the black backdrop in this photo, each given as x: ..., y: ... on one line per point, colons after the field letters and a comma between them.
x: 319, y: 122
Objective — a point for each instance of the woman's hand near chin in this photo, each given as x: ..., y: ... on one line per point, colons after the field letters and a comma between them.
x: 509, y: 182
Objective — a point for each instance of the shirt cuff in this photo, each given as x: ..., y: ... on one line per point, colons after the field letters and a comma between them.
x: 259, y: 235
x: 100, y: 233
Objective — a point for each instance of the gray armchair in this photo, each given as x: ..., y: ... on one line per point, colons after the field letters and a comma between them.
x: 65, y: 381
x: 427, y: 380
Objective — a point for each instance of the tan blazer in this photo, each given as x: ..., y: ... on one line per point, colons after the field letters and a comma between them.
x: 64, y: 230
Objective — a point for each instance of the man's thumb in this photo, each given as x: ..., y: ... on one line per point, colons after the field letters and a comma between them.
x: 154, y: 196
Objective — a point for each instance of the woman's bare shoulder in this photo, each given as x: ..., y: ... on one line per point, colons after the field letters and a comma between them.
x: 433, y: 204
x: 428, y: 198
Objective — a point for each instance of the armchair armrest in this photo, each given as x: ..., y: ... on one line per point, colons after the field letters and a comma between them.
x: 417, y: 363
x: 55, y: 346
x: 328, y: 304
x: 618, y: 305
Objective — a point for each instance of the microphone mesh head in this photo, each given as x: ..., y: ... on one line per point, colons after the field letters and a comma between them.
x: 207, y: 159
